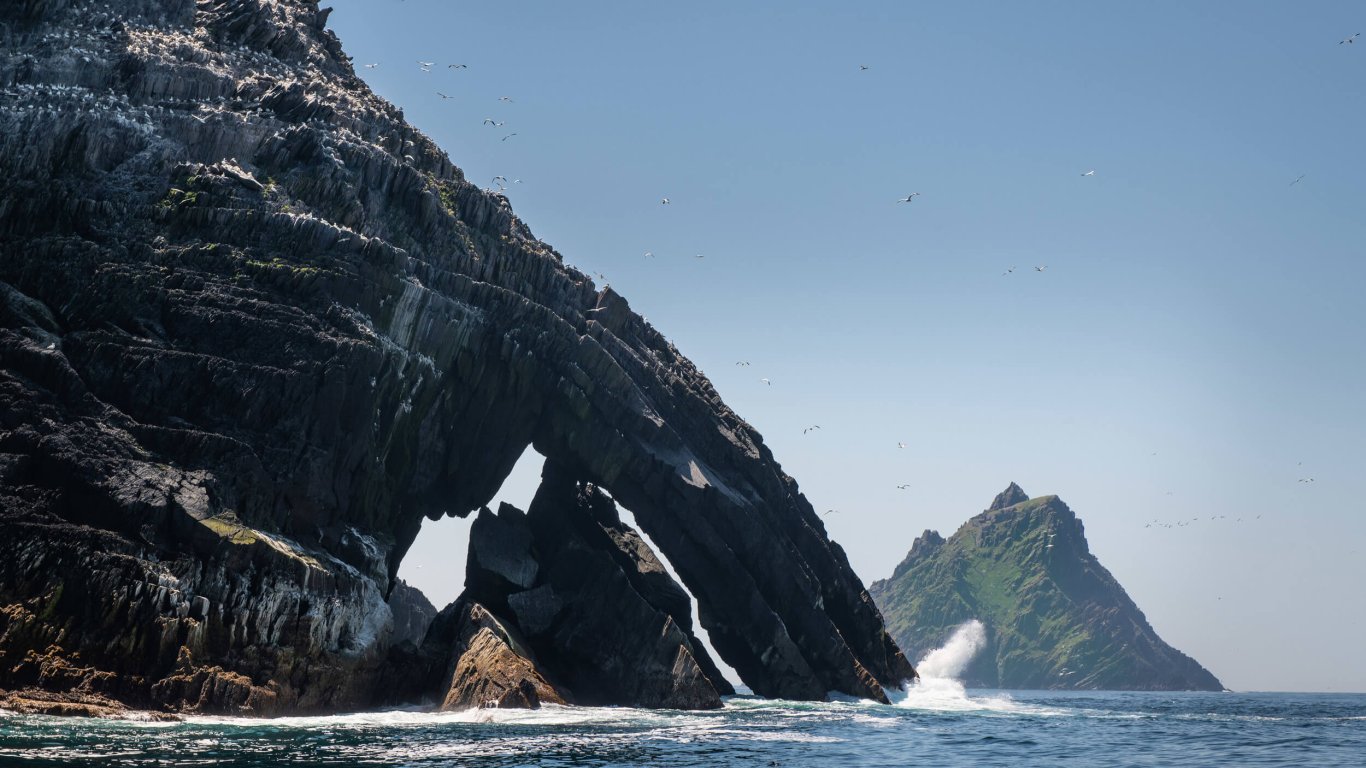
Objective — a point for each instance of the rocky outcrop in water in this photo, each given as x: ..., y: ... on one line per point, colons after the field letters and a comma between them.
x: 480, y: 662
x: 606, y: 621
x: 1054, y: 616
x: 254, y: 327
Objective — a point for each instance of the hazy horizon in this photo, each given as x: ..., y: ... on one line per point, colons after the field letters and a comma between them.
x: 1193, y: 348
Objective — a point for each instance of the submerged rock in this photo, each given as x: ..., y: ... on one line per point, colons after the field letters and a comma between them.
x: 1054, y: 616
x: 254, y: 327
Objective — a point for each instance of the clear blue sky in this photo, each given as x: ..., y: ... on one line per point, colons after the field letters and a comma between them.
x: 1196, y: 346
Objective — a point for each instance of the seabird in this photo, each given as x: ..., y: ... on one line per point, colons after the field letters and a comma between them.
x: 1008, y: 271
x: 1350, y: 40
x: 371, y: 66
x: 766, y: 381
x: 505, y: 138
x: 1041, y: 268
x: 649, y: 254
x: 909, y: 198
x: 808, y: 429
x: 903, y: 487
x: 444, y: 96
x: 508, y: 99
x: 491, y: 121
x: 1091, y: 172
x: 900, y: 444
x: 743, y: 362
x: 456, y: 66
x: 863, y: 67
x: 665, y: 201
x: 1297, y: 180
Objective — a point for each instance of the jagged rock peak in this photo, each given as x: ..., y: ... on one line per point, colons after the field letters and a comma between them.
x: 1012, y: 495
x: 1055, y: 617
x: 925, y: 544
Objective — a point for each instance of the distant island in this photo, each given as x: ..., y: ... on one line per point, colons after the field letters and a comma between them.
x: 1054, y: 616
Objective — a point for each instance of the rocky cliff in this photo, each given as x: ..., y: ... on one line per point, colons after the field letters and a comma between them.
x: 1055, y: 617
x: 254, y: 327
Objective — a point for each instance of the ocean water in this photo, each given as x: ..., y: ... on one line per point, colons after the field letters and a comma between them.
x: 938, y: 725
x: 936, y: 722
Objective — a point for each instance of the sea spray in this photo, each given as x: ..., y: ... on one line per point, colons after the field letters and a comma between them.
x: 953, y: 659
x: 939, y: 688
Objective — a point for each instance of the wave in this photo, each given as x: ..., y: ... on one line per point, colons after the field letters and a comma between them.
x: 939, y: 688
x: 547, y: 715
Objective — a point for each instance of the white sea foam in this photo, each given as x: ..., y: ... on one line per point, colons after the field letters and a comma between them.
x: 548, y: 715
x: 939, y: 688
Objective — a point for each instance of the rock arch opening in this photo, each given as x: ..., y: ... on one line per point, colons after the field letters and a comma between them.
x: 435, y: 562
x: 699, y: 629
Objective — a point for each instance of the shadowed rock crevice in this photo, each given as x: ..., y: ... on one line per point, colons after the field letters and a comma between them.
x: 254, y: 327
x: 604, y: 618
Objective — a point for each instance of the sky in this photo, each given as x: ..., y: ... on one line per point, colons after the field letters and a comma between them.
x: 1194, y: 347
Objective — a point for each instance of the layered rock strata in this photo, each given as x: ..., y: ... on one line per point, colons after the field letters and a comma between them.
x: 254, y: 327
x: 606, y: 621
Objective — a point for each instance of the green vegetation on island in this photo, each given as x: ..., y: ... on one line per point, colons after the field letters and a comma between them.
x: 1054, y: 616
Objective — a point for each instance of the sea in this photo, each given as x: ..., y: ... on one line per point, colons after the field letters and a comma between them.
x: 936, y: 722
x: 923, y: 728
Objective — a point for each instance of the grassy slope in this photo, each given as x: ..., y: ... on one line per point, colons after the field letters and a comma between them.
x: 1055, y: 617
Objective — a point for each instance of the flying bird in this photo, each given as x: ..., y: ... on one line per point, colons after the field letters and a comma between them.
x: 371, y: 66
x: 828, y: 511
x: 743, y: 362
x: 1091, y: 172
x: 444, y: 96
x: 649, y: 254
x: 903, y: 487
x: 456, y: 66
x: 494, y: 123
x: 766, y: 381
x: 900, y: 444
x: 863, y: 67
x: 1008, y: 271
x: 505, y: 138
x: 909, y: 198
x: 1350, y: 40
x: 665, y: 201
x: 425, y: 63
x: 1297, y: 179
x: 508, y: 99
x: 1041, y: 268
x: 808, y: 429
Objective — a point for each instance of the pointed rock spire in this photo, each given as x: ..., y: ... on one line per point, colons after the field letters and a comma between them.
x: 1012, y: 495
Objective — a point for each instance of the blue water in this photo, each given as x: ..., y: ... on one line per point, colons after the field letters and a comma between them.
x: 933, y: 727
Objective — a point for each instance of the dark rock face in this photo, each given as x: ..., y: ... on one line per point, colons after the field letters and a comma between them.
x: 1055, y: 617
x: 605, y: 619
x: 254, y: 327
x: 413, y: 613
x: 485, y: 663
